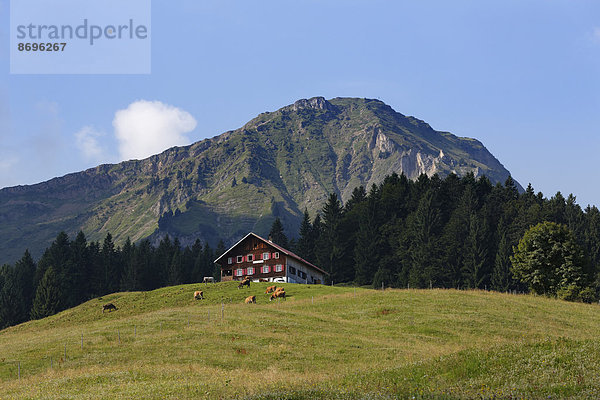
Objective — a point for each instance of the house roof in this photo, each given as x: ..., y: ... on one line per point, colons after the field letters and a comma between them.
x: 278, y: 247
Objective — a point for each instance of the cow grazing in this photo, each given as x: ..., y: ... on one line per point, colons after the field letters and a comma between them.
x: 208, y: 279
x: 199, y: 295
x: 279, y: 289
x: 110, y: 307
x: 245, y: 282
x: 270, y: 289
x: 277, y: 294
x: 250, y: 299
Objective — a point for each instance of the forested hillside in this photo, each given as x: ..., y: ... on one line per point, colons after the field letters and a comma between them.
x: 275, y: 166
x: 431, y: 232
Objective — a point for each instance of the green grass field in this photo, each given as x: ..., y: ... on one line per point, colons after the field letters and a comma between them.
x: 321, y: 343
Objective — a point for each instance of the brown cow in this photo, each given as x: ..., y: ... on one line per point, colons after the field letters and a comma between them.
x: 270, y: 289
x: 250, y: 299
x: 279, y: 289
x: 245, y: 282
x: 110, y: 307
x: 277, y: 294
x: 199, y: 295
x: 263, y: 280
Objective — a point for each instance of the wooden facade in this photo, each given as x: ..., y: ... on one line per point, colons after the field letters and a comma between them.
x: 261, y: 259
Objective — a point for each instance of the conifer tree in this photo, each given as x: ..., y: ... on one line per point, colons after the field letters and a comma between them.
x: 306, y: 245
x: 423, y: 250
x: 77, y: 273
x: 474, y: 273
x: 276, y: 234
x: 47, y: 296
x: 111, y: 276
x: 24, y: 275
x: 187, y: 264
x: 176, y: 267
x: 130, y: 278
x: 501, y: 274
x: 11, y: 299
x: 145, y: 265
x: 330, y: 250
x: 162, y: 261
x: 366, y: 249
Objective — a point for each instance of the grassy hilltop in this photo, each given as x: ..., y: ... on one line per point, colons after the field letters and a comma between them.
x: 323, y: 342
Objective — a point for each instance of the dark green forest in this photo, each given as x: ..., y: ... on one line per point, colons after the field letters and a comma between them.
x: 431, y: 232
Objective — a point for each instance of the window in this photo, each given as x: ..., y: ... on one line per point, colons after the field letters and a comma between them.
x: 230, y: 260
x: 278, y: 268
x: 250, y: 271
x: 250, y: 257
x: 227, y: 272
x: 266, y: 256
x: 299, y: 273
x: 276, y: 255
x: 240, y: 259
x: 239, y: 272
x: 265, y: 269
x: 304, y: 275
x: 292, y: 270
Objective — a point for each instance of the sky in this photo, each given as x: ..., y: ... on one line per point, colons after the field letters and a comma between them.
x: 521, y: 76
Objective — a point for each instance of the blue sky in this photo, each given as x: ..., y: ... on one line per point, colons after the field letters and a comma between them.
x: 521, y: 76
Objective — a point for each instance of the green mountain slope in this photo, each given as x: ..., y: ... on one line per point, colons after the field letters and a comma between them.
x: 274, y: 166
x: 321, y: 343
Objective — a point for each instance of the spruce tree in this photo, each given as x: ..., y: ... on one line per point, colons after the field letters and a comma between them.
x: 47, y: 296
x: 306, y: 245
x: 11, y: 299
x: 474, y: 273
x: 130, y: 278
x: 187, y: 265
x: 162, y: 261
x: 144, y: 265
x: 76, y: 275
x: 176, y: 267
x: 424, y: 225
x: 366, y: 249
x: 330, y: 249
x: 276, y: 234
x: 111, y: 273
x: 24, y: 276
x: 501, y: 274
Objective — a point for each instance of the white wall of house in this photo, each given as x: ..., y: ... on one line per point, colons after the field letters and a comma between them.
x: 301, y: 273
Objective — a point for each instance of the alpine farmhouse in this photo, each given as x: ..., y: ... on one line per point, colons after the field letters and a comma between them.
x: 262, y: 260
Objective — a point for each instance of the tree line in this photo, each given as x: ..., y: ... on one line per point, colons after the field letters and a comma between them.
x: 448, y: 233
x: 71, y: 272
x: 430, y: 232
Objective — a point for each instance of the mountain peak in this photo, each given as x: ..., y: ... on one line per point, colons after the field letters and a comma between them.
x: 275, y: 166
x: 314, y: 103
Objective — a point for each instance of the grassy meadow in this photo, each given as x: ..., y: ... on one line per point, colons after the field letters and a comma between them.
x: 321, y: 343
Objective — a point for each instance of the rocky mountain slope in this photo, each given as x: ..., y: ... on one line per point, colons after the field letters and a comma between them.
x: 276, y: 165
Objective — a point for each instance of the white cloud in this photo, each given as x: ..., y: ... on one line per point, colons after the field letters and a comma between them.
x: 149, y: 127
x: 87, y: 143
